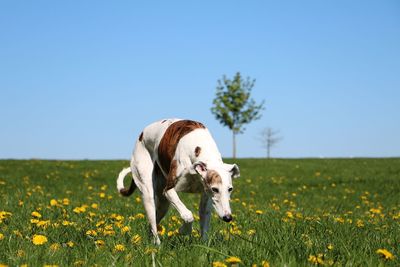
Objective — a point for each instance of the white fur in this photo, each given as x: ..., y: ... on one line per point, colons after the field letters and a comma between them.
x: 190, y: 177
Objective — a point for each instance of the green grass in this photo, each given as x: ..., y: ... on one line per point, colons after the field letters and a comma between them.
x: 286, y: 212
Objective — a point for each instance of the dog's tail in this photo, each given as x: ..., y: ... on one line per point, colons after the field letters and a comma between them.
x: 120, y: 183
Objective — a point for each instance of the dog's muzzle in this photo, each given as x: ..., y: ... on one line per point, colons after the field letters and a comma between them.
x: 227, y: 218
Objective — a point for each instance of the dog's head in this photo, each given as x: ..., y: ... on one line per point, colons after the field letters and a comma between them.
x: 217, y: 181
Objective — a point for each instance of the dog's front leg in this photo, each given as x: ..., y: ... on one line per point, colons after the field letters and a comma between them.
x: 185, y: 214
x: 205, y: 214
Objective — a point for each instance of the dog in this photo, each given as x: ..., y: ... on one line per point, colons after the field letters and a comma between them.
x: 176, y: 155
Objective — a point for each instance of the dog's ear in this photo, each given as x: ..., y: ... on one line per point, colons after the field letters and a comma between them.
x: 200, y: 168
x: 233, y: 169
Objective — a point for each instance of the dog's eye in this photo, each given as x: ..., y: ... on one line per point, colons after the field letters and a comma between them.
x: 215, y: 190
x: 230, y: 189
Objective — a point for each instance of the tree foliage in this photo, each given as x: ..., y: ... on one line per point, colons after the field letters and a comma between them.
x: 233, y: 106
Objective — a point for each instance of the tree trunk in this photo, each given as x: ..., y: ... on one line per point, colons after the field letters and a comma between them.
x: 234, y: 144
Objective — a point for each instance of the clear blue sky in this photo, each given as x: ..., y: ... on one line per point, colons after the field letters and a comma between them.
x: 80, y: 79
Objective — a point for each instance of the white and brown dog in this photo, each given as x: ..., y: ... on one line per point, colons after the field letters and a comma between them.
x: 173, y: 156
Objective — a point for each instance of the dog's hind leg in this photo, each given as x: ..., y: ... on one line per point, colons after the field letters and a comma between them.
x: 142, y: 165
x: 162, y: 203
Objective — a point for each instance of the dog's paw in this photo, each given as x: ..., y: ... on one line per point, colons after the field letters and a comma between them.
x: 187, y: 216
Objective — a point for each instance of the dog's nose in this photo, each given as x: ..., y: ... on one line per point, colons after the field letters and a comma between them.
x: 227, y: 218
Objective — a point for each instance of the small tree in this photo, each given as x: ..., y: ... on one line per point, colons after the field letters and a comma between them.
x: 268, y: 139
x: 233, y: 106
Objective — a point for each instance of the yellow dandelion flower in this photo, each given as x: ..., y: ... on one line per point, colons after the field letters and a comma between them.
x: 289, y: 214
x: 39, y: 239
x: 150, y: 250
x: 53, y: 202
x: 259, y: 212
x: 251, y: 232
x: 138, y: 200
x: 316, y: 259
x: 70, y: 244
x: 139, y: 216
x: 1, y: 236
x: 385, y: 254
x: 218, y: 264
x: 161, y: 229
x: 43, y: 224
x: 36, y: 214
x: 119, y: 247
x: 65, y: 201
x: 136, y: 239
x: 265, y: 264
x: 233, y: 260
x: 102, y: 195
x: 125, y: 229
x: 91, y: 233
x: 95, y: 206
x: 172, y: 233
x: 99, y: 243
x: 20, y: 253
x: 375, y: 211
x: 330, y: 246
x: 55, y: 246
x: 79, y: 263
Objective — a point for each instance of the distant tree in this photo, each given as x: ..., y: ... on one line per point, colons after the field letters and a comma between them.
x: 269, y: 138
x: 233, y: 107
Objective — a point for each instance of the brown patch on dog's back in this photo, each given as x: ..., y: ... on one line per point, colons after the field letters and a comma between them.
x: 197, y: 151
x: 171, y: 178
x: 213, y: 177
x: 171, y: 138
x: 141, y: 137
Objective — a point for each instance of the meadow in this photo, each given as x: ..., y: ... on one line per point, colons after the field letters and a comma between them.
x: 287, y: 212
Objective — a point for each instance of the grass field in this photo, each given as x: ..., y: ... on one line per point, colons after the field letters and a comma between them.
x: 333, y: 212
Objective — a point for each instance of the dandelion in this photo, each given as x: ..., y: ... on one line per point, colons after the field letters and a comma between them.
x: 150, y: 250
x: 330, y: 246
x: 265, y: 264
x: 36, y: 214
x: 251, y: 232
x: 218, y: 264
x: 125, y: 229
x: 233, y: 260
x: 161, y: 229
x: 39, y: 239
x: 20, y: 253
x: 70, y: 244
x: 316, y: 259
x: 119, y: 247
x: 95, y: 206
x: 102, y: 195
x: 375, y: 211
x: 65, y: 201
x: 99, y: 243
x: 53, y: 202
x: 1, y: 236
x: 91, y: 233
x: 136, y: 239
x: 289, y: 214
x: 139, y: 216
x: 79, y: 263
x: 259, y: 212
x: 385, y: 254
x: 55, y: 246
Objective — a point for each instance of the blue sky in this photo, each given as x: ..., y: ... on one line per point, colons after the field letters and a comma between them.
x: 80, y: 79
